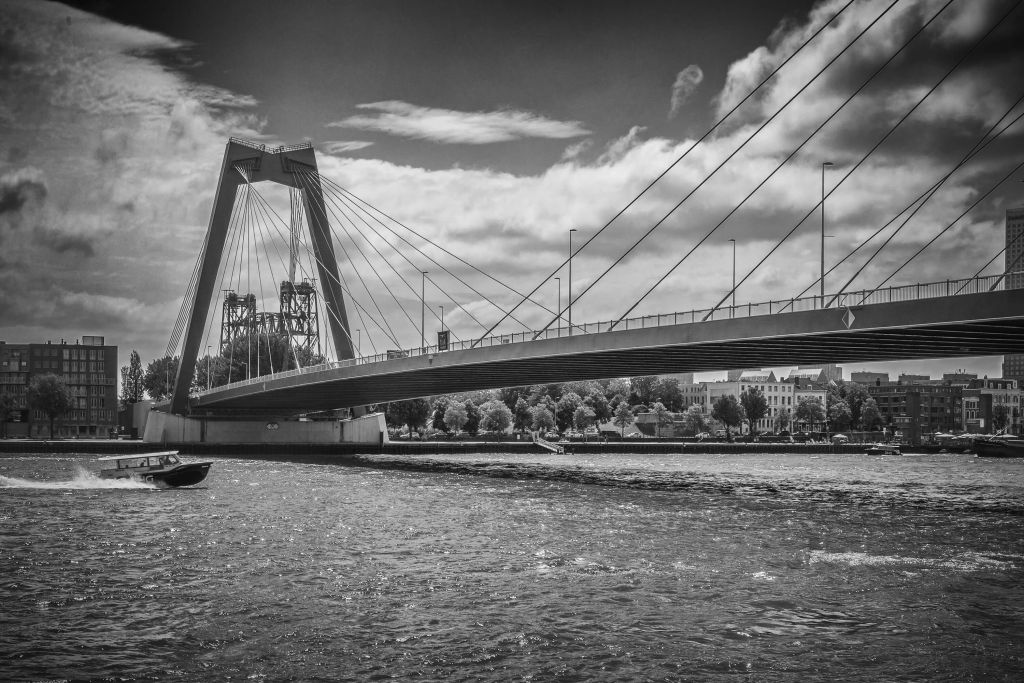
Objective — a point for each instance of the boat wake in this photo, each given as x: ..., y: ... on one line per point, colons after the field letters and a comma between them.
x: 83, y: 479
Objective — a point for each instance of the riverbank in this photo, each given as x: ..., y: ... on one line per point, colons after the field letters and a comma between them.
x: 420, y: 448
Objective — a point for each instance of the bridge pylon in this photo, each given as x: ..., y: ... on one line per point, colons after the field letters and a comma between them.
x: 247, y: 162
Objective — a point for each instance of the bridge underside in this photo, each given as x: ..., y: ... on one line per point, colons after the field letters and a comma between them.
x: 969, y: 325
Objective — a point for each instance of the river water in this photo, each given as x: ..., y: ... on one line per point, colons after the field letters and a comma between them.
x: 506, y: 567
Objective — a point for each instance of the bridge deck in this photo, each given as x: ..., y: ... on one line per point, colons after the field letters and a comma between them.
x: 982, y: 324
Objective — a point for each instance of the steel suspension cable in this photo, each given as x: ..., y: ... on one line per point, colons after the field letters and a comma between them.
x: 703, y: 137
x: 718, y: 167
x: 781, y: 164
x: 330, y: 231
x: 864, y: 158
x: 355, y: 199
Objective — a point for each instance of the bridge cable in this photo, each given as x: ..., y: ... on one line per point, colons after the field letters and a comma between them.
x: 943, y: 231
x: 341, y: 283
x: 719, y: 167
x: 345, y: 193
x: 357, y: 212
x: 330, y: 231
x: 781, y: 164
x: 341, y: 224
x: 671, y: 166
x: 269, y: 211
x: 867, y: 155
x: 978, y: 148
x: 1008, y: 270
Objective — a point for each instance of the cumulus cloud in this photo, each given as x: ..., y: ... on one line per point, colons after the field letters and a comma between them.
x: 450, y: 126
x: 687, y: 81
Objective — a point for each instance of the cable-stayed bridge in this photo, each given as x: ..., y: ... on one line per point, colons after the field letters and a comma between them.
x: 350, y: 276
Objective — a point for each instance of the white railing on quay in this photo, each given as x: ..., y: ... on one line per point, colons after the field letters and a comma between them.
x: 924, y: 290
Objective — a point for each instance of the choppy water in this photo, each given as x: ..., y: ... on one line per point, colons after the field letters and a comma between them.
x: 585, y: 568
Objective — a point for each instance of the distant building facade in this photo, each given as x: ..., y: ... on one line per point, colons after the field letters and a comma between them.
x: 865, y: 377
x: 1013, y: 268
x: 917, y: 409
x: 89, y: 369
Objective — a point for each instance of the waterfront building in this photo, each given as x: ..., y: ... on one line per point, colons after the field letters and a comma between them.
x: 1013, y: 269
x: 88, y: 367
x: 1004, y: 394
x: 919, y: 409
x: 865, y: 377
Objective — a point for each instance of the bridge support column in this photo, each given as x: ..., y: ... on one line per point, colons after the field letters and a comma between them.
x: 166, y: 428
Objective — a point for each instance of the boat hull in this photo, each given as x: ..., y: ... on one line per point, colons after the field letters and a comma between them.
x: 999, y: 448
x: 185, y: 474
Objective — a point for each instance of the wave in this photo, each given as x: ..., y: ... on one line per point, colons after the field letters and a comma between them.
x: 83, y: 479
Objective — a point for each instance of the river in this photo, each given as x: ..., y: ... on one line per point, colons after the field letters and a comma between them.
x: 511, y: 567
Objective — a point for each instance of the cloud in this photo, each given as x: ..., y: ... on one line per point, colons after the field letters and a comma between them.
x: 20, y: 187
x: 344, y: 146
x: 687, y: 81
x: 458, y: 127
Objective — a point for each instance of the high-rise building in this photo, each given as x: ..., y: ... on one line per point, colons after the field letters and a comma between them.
x: 1013, y: 259
x: 89, y: 369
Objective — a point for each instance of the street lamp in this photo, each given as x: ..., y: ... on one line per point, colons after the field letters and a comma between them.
x: 559, y: 309
x: 732, y: 311
x: 359, y: 339
x: 571, y: 231
x: 442, y: 317
x: 824, y: 164
x: 208, y: 367
x: 423, y: 308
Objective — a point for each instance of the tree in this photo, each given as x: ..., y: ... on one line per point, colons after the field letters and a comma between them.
x: 521, y: 417
x: 159, y: 379
x: 441, y: 405
x: 662, y: 417
x: 1000, y: 416
x: 496, y: 416
x: 413, y: 413
x: 132, y: 376
x: 755, y: 406
x: 510, y: 396
x: 667, y: 392
x: 839, y: 416
x: 643, y: 389
x: 809, y: 411
x: 7, y: 404
x: 583, y: 417
x: 620, y: 386
x: 870, y: 416
x: 49, y: 395
x: 455, y: 417
x: 728, y: 411
x: 599, y: 404
x: 694, y: 420
x: 567, y: 406
x: 542, y: 419
x: 473, y: 416
x: 783, y: 420
x: 257, y: 355
x: 623, y: 417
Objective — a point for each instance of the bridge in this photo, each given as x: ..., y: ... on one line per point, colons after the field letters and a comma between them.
x: 910, y: 322
x: 313, y: 341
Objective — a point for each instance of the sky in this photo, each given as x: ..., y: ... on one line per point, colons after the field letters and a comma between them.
x: 493, y: 128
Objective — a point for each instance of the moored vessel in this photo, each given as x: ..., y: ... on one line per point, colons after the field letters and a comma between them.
x: 1005, y: 446
x: 882, y: 449
x: 162, y: 468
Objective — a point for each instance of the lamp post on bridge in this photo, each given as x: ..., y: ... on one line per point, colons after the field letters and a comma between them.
x: 442, y: 317
x: 359, y: 339
x: 559, y: 309
x: 824, y: 165
x: 208, y: 357
x: 732, y: 310
x: 571, y: 231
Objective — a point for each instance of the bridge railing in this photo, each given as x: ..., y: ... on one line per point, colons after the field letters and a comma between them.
x: 920, y: 291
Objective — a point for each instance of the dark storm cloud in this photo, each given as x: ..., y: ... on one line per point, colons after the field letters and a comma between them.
x: 19, y: 188
x: 63, y: 243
